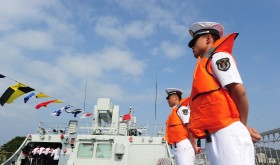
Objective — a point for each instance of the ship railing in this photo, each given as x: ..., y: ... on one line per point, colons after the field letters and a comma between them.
x: 267, y: 151
x: 144, y: 129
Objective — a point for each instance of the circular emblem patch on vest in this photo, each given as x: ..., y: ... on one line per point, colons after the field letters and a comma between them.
x: 223, y: 64
x: 185, y: 111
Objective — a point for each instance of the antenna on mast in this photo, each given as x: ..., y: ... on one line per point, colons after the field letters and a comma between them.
x: 156, y: 101
x: 85, y: 98
x: 156, y: 108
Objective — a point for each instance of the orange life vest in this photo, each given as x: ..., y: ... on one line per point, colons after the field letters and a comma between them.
x: 211, y: 105
x: 176, y: 130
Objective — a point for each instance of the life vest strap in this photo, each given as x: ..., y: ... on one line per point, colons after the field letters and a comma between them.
x: 174, y: 125
x: 208, y: 136
x: 205, y: 93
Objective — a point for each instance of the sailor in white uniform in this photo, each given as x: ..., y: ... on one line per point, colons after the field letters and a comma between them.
x: 177, y: 136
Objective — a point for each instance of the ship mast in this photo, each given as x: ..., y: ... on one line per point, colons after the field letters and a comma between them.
x: 156, y: 108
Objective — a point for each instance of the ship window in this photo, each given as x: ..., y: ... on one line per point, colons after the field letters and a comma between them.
x: 104, y: 150
x: 85, y: 150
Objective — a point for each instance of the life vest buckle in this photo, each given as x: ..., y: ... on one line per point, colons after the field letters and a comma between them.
x: 174, y: 144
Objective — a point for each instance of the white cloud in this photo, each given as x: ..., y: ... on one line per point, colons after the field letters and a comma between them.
x: 37, y: 25
x: 30, y: 39
x: 139, y: 29
x: 109, y: 27
x: 164, y: 14
x: 110, y: 60
x: 117, y: 32
x: 113, y: 58
x: 172, y: 51
x: 14, y: 14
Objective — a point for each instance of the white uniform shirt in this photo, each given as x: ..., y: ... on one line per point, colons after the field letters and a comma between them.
x: 36, y: 150
x: 231, y: 75
x: 184, y: 113
x: 42, y: 150
x: 47, y: 150
x: 56, y: 153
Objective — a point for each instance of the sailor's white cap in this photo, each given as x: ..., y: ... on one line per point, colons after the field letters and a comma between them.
x: 201, y: 28
x: 171, y: 91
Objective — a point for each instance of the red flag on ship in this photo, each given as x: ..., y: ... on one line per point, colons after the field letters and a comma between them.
x: 86, y: 115
x: 127, y: 116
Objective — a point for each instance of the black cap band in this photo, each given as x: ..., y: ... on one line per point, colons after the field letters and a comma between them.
x: 174, y: 92
x: 202, y: 32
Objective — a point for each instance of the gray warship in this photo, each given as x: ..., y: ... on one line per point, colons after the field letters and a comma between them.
x: 110, y: 140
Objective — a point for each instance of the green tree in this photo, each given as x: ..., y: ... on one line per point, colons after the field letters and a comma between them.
x: 2, y: 156
x: 7, y: 150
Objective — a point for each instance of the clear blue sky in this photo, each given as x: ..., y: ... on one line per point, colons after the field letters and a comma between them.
x: 122, y: 46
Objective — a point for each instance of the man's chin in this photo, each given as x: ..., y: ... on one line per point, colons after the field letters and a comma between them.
x: 195, y: 56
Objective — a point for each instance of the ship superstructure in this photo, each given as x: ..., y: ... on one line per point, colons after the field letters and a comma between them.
x: 110, y: 140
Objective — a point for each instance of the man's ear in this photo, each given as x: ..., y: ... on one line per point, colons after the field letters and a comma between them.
x: 209, y: 38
